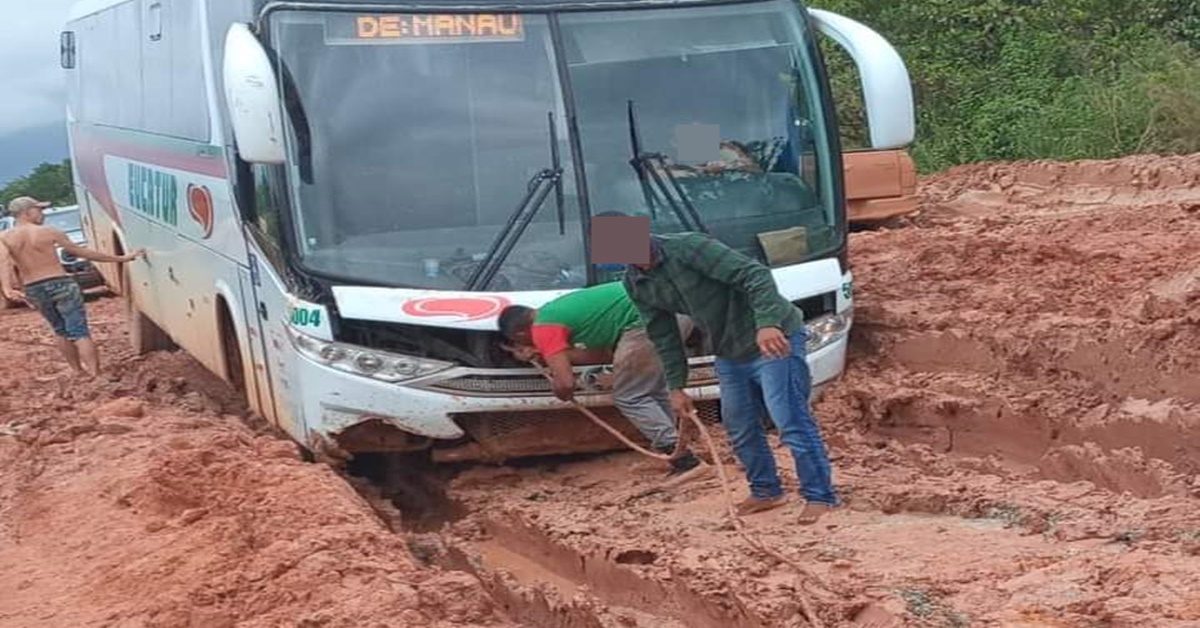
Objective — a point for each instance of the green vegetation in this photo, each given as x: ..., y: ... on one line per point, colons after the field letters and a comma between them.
x: 998, y: 80
x: 47, y: 182
x: 1025, y: 79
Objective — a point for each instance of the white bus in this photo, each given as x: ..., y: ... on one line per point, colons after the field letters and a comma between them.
x: 340, y: 196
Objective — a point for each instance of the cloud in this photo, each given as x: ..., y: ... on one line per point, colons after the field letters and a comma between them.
x: 34, y: 91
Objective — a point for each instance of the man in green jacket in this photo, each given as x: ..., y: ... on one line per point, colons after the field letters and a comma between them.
x: 760, y: 341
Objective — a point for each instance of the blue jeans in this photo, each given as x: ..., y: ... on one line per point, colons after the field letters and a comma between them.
x: 61, y: 303
x: 781, y: 387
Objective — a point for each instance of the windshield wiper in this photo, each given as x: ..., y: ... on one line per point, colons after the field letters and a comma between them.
x: 556, y: 164
x: 682, y: 207
x: 294, y: 106
x: 635, y: 144
x: 536, y: 191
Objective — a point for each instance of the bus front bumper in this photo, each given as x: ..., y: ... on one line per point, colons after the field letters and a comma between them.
x: 490, y: 414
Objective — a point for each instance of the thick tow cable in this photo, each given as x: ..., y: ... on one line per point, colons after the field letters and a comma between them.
x: 803, y: 576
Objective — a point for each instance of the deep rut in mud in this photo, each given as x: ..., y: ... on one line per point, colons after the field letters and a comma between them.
x: 532, y: 578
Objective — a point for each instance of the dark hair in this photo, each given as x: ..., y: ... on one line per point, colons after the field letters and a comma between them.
x: 514, y: 320
x: 610, y: 214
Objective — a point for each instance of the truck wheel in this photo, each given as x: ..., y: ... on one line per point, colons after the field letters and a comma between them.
x: 144, y: 335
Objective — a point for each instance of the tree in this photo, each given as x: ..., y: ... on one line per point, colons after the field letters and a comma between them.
x: 48, y: 182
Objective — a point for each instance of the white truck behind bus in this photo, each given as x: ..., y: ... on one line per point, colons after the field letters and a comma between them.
x: 339, y: 197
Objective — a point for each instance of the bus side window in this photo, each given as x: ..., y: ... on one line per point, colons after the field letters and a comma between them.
x: 264, y: 215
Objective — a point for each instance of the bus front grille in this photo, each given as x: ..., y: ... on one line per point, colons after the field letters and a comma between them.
x: 500, y: 436
x: 592, y: 380
x: 494, y: 384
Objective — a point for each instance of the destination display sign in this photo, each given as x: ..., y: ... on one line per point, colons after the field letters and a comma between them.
x: 409, y: 28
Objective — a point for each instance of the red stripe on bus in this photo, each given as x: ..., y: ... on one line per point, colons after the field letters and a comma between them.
x: 91, y: 149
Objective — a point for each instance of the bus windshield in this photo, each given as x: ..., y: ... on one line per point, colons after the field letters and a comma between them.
x: 423, y: 144
x: 728, y: 97
x: 426, y: 131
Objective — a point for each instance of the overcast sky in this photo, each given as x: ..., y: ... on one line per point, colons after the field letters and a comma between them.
x: 33, y: 80
x: 32, y: 95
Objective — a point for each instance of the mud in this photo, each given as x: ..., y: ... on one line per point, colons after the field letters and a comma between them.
x: 1015, y: 440
x: 1015, y: 436
x: 151, y: 501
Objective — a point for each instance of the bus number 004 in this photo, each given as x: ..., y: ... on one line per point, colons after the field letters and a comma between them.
x: 306, y: 318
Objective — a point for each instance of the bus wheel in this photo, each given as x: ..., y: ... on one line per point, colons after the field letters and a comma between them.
x: 144, y: 335
x: 234, y: 367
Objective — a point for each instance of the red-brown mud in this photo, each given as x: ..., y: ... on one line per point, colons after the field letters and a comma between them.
x: 148, y: 501
x: 1015, y: 438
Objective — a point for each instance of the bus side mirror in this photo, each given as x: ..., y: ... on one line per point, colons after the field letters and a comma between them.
x: 252, y: 93
x: 887, y: 91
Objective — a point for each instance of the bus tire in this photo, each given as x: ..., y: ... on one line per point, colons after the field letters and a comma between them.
x: 231, y: 351
x: 144, y: 335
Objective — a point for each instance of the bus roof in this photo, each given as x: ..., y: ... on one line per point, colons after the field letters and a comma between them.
x: 84, y: 8
x: 482, y: 5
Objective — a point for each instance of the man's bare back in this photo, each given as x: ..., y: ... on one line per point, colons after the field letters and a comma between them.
x: 30, y: 251
x: 34, y: 253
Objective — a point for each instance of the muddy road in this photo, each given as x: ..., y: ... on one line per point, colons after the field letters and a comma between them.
x: 1016, y: 438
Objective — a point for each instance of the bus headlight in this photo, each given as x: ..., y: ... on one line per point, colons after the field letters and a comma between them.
x: 388, y: 367
x: 827, y: 330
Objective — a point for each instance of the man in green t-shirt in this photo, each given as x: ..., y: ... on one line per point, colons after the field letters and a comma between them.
x: 587, y: 326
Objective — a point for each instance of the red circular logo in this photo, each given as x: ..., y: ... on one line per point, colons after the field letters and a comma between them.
x: 200, y: 206
x: 462, y: 308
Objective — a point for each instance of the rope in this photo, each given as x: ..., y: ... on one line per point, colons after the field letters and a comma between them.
x: 802, y: 574
x: 680, y: 443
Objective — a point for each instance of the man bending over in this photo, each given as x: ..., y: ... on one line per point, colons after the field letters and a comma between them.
x: 587, y: 325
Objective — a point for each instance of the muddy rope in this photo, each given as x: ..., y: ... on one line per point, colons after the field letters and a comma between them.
x: 803, y: 576
x: 681, y: 443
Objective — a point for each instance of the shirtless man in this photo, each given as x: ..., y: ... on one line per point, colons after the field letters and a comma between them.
x: 29, y: 249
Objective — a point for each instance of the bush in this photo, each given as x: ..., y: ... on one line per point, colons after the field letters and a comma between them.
x: 1070, y: 79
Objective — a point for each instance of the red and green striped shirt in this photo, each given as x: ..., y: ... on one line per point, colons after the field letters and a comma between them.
x: 588, y: 318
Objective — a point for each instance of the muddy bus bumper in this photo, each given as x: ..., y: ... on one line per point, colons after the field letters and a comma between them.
x: 490, y: 415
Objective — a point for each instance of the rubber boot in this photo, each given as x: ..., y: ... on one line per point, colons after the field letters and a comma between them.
x: 682, y: 464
